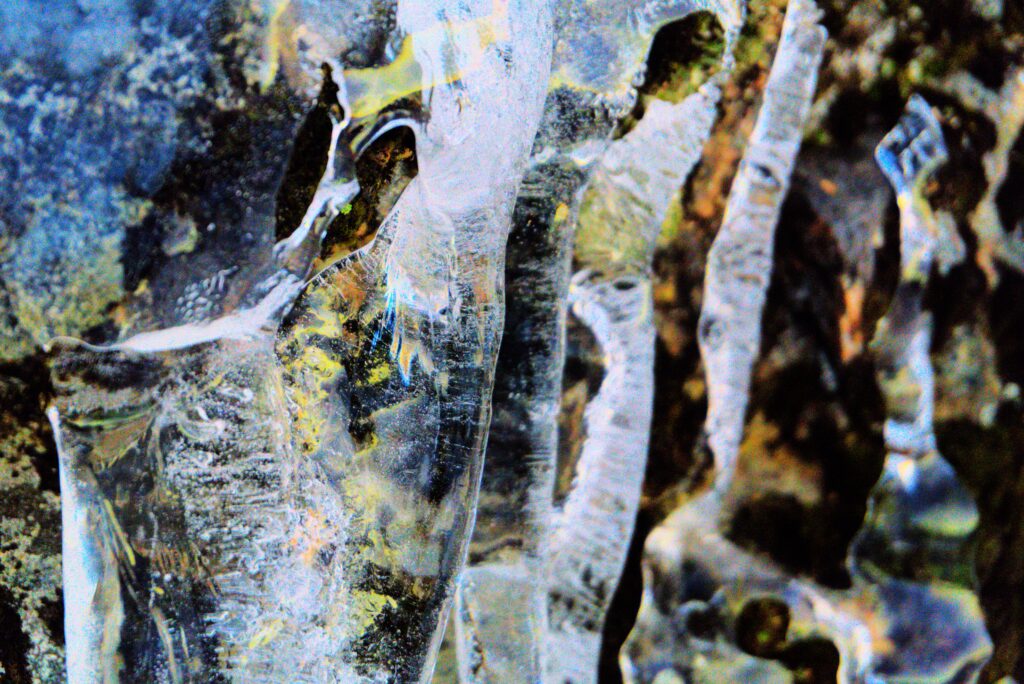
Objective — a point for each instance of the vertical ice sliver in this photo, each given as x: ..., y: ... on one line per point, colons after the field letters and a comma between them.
x: 740, y: 261
x: 913, y: 543
x: 203, y: 513
x: 391, y: 351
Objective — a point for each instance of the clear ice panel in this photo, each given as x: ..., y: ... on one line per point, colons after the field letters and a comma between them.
x: 254, y: 498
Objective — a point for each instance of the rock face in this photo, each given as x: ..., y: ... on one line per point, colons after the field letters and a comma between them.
x: 601, y: 326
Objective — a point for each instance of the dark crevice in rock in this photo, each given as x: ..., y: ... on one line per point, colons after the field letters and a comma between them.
x: 25, y: 389
x: 14, y: 643
x: 960, y: 183
x: 684, y: 55
x: 383, y: 170
x: 762, y: 631
x: 52, y: 614
x: 761, y: 627
x: 991, y: 464
x: 372, y: 51
x: 854, y: 113
x: 214, y: 205
x: 625, y: 603
x: 678, y: 419
x: 1006, y: 321
x: 825, y: 434
x: 812, y: 661
x: 308, y: 161
x: 1010, y: 198
x: 680, y: 402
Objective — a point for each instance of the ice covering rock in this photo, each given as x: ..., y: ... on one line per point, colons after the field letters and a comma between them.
x: 261, y: 504
x: 411, y: 326
x: 271, y: 449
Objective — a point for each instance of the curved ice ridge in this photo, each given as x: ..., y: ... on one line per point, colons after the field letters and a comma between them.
x: 621, y: 216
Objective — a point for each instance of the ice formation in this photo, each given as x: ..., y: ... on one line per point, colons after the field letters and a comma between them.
x: 286, y: 465
x: 620, y: 218
x: 519, y: 582
x: 740, y: 260
x: 713, y: 611
x: 221, y: 501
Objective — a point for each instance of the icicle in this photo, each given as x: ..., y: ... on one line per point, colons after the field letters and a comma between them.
x: 920, y: 517
x: 183, y: 467
x: 177, y: 469
x: 391, y: 351
x: 503, y: 615
x: 740, y: 261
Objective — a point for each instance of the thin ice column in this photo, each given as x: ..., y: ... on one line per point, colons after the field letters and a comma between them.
x: 739, y: 264
x: 621, y: 216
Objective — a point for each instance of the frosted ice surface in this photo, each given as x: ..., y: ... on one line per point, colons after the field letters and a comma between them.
x: 185, y: 504
x: 393, y: 348
x: 620, y: 218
